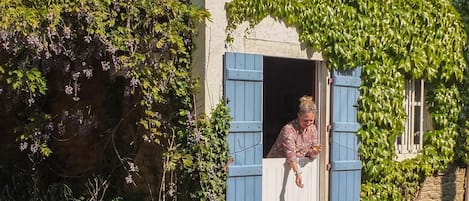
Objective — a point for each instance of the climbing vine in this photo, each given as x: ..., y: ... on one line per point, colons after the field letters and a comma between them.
x: 113, y: 74
x: 209, y: 147
x: 392, y: 41
x: 463, y: 140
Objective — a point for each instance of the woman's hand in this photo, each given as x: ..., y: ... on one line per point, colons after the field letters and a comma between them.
x: 299, y: 180
x: 297, y: 171
x: 316, y: 149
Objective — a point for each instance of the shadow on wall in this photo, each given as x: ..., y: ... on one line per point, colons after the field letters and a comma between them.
x: 448, y: 185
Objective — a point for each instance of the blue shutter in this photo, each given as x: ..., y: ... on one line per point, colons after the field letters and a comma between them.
x: 345, y: 164
x: 243, y: 91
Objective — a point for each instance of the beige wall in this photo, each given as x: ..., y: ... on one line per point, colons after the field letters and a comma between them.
x: 269, y: 37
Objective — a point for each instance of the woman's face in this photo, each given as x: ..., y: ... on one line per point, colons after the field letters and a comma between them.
x: 306, y: 119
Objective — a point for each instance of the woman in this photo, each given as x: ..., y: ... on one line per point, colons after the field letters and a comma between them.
x: 298, y: 138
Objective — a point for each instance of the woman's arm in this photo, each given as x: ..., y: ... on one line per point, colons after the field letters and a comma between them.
x: 297, y: 171
x: 288, y: 134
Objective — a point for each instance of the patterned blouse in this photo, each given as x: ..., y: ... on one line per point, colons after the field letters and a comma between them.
x: 292, y: 144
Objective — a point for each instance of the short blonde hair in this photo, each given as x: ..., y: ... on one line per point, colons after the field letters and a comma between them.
x: 307, y: 105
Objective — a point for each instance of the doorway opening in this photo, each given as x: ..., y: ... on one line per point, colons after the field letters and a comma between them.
x: 285, y: 81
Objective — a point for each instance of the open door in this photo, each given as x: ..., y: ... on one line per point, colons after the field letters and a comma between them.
x: 345, y: 164
x: 285, y: 81
x: 243, y: 92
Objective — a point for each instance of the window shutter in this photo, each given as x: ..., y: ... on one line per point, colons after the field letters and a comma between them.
x: 243, y: 77
x: 345, y: 163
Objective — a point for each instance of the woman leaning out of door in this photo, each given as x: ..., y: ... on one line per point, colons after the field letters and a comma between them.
x: 298, y: 138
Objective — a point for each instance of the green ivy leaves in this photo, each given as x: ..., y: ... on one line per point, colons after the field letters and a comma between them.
x: 208, y: 146
x: 30, y: 80
x: 392, y: 41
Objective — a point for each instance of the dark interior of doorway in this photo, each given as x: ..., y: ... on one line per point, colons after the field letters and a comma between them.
x: 285, y: 81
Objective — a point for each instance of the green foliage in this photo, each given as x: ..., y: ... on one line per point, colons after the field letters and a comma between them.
x: 462, y: 142
x: 33, y: 137
x: 392, y: 41
x: 196, y: 161
x: 209, y: 148
x: 69, y: 50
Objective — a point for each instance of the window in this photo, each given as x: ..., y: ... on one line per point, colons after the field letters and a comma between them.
x: 411, y: 141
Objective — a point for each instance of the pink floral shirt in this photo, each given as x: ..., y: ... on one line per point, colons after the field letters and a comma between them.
x: 292, y: 144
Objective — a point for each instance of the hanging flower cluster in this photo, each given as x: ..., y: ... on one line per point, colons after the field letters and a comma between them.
x: 92, y: 69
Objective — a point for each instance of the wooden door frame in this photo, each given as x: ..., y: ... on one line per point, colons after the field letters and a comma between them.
x: 323, y: 99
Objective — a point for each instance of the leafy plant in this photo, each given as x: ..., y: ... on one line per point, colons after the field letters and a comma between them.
x: 117, y: 72
x: 209, y: 148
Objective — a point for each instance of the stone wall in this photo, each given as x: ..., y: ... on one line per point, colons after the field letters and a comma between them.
x: 446, y: 186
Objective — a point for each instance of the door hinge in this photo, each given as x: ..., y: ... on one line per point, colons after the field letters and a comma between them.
x: 328, y: 167
x: 329, y: 80
x: 329, y: 128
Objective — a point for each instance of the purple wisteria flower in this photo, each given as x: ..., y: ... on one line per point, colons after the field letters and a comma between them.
x: 33, y: 40
x: 68, y: 90
x: 133, y: 167
x: 61, y: 128
x: 3, y: 35
x: 172, y: 189
x: 67, y: 32
x: 47, y: 54
x: 37, y: 133
x: 88, y: 18
x: 50, y: 16
x: 129, y: 179
x: 146, y: 139
x: 23, y: 146
x: 34, y: 148
x: 67, y: 67
x: 133, y: 82
x: 88, y: 73
x: 50, y: 126
x: 148, y: 98
x: 198, y: 135
x: 105, y: 65
x: 115, y: 60
x: 76, y: 75
x: 30, y: 101
x: 87, y: 39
